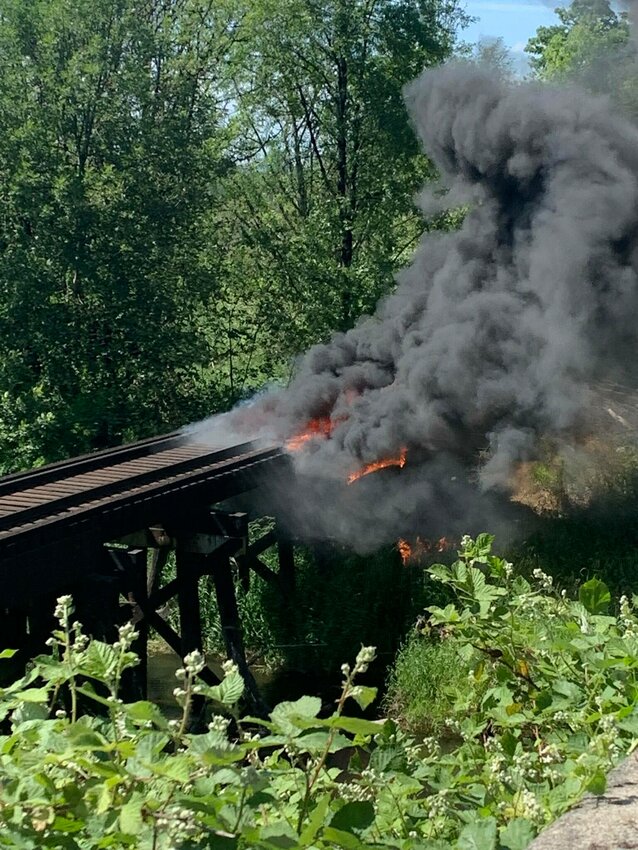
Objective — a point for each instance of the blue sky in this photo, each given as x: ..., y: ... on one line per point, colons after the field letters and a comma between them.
x: 514, y: 20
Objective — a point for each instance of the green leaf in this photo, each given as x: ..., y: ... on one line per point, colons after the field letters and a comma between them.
x: 316, y: 820
x: 89, y: 691
x: 356, y: 816
x: 363, y: 696
x: 228, y: 692
x: 100, y: 661
x: 339, y: 838
x: 177, y: 768
x: 518, y: 834
x: 567, y: 689
x: 283, y: 715
x: 483, y: 545
x: 543, y: 700
x: 316, y: 740
x: 27, y: 711
x: 145, y: 712
x: 33, y: 695
x: 479, y: 835
x: 597, y: 784
x: 630, y: 723
x: 509, y: 743
x: 7, y: 653
x: 438, y: 616
x: 131, y: 820
x: 388, y: 758
x: 280, y: 835
x: 355, y: 725
x: 595, y: 596
x: 61, y: 824
x: 82, y: 737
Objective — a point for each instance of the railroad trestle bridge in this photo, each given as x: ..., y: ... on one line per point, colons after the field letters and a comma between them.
x: 101, y: 528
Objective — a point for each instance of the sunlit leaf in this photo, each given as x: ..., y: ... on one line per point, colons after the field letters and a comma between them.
x: 595, y: 596
x: 479, y: 835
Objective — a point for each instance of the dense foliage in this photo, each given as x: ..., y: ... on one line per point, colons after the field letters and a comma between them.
x: 588, y: 31
x: 192, y: 192
x: 550, y: 705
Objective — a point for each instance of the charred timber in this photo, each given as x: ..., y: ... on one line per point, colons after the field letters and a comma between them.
x: 53, y: 519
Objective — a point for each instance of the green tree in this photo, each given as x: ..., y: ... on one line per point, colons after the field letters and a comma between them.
x: 589, y: 32
x: 493, y: 54
x: 322, y: 212
x: 112, y: 139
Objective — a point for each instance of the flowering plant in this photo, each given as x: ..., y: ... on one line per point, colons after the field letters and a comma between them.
x: 550, y: 706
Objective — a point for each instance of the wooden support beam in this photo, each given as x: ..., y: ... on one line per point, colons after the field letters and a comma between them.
x: 243, y: 573
x: 258, y: 566
x: 162, y: 596
x: 154, y: 537
x: 137, y: 596
x: 41, y: 620
x: 170, y: 636
x: 97, y: 596
x: 250, y: 560
x: 13, y: 635
x: 13, y: 628
x: 260, y: 546
x: 152, y: 619
x: 286, y: 555
x: 131, y: 568
x: 159, y: 558
x: 232, y: 631
x: 189, y: 569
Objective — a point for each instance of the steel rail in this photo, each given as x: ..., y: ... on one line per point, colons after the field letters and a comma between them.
x: 19, y: 481
x: 28, y: 504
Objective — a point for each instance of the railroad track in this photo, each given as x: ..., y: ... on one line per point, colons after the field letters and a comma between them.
x: 56, y: 498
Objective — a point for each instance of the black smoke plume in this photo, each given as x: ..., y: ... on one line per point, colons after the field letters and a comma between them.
x: 495, y: 332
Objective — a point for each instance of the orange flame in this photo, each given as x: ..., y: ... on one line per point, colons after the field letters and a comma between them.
x: 405, y: 550
x: 411, y: 553
x: 320, y: 427
x: 399, y: 461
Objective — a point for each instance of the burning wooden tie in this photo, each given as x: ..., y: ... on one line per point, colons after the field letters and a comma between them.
x: 398, y: 460
x: 413, y: 552
x: 322, y: 428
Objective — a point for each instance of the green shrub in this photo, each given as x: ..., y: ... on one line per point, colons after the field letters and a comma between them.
x: 550, y: 706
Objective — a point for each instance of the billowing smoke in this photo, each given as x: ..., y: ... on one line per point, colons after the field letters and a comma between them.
x: 495, y: 331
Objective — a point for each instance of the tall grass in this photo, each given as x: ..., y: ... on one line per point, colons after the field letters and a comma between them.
x: 425, y: 682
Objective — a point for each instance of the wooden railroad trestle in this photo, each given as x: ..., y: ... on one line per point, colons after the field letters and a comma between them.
x: 101, y: 527
x: 218, y: 552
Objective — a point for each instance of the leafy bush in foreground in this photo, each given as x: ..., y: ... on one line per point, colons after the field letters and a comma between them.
x: 550, y: 706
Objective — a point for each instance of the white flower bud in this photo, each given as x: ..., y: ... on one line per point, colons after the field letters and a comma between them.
x: 194, y: 662
x: 229, y: 667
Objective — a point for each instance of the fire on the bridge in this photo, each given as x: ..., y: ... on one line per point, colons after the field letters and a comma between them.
x: 322, y: 428
x: 419, y: 548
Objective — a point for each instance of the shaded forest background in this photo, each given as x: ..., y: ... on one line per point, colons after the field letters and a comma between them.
x: 193, y: 191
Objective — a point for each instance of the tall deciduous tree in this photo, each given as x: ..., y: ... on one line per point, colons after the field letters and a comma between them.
x: 111, y: 141
x: 323, y: 208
